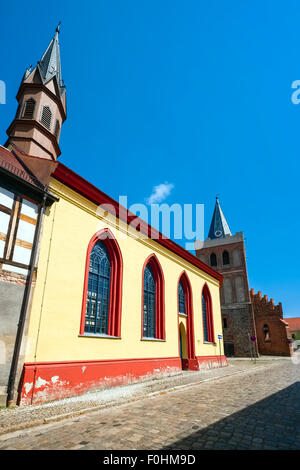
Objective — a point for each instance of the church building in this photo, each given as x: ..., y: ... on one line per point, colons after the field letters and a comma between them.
x: 114, y: 300
x: 252, y: 324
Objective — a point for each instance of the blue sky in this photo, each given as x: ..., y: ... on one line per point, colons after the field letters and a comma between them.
x: 196, y: 94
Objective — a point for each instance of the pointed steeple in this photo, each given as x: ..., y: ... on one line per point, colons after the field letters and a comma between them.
x: 49, y: 65
x: 219, y: 227
x: 36, y: 127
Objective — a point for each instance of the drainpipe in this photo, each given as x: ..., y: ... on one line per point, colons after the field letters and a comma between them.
x: 26, y: 296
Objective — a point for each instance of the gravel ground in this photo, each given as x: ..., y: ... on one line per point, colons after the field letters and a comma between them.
x: 31, y: 415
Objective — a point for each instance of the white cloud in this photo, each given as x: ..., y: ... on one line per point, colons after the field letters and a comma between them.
x: 160, y: 192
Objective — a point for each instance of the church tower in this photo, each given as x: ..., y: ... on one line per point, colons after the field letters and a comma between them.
x: 41, y: 112
x: 226, y: 254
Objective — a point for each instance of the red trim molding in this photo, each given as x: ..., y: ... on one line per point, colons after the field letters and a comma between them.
x: 71, y: 179
x: 159, y: 297
x: 115, y: 297
x: 46, y: 381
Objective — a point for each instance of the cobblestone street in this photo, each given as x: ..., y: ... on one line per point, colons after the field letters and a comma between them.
x: 256, y: 409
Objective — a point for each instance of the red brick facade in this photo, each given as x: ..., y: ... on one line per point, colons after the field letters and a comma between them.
x: 272, y: 332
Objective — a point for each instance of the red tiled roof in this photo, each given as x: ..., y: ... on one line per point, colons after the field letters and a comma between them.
x: 294, y: 323
x: 10, y: 161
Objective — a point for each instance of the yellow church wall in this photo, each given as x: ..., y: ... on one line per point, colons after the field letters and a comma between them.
x: 53, y: 333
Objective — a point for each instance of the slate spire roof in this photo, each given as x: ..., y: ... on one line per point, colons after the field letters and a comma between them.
x: 49, y: 66
x: 219, y: 227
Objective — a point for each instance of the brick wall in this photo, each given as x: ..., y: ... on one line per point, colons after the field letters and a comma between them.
x: 272, y: 331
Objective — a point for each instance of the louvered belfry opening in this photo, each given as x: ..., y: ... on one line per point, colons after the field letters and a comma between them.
x: 46, y: 117
x: 28, y: 109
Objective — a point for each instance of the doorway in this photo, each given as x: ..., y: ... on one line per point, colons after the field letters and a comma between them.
x: 183, y: 346
x: 229, y: 349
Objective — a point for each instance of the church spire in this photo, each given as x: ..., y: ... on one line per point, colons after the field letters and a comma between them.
x: 42, y: 107
x: 219, y: 227
x: 49, y: 66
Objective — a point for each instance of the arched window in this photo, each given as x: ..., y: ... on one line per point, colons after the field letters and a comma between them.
x: 181, y: 299
x: 102, y: 295
x: 207, y: 314
x: 28, y: 109
x: 149, y: 303
x: 266, y: 332
x: 225, y: 257
x: 185, y: 306
x: 46, y: 117
x: 153, y: 321
x: 97, y: 302
x: 213, y: 260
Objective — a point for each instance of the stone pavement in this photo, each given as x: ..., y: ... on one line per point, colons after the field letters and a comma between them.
x: 259, y: 408
x: 28, y: 416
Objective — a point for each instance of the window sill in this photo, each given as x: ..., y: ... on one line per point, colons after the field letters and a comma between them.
x: 182, y: 315
x: 153, y: 339
x: 209, y: 342
x: 90, y: 335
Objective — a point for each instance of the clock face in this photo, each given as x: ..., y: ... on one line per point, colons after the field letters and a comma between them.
x: 218, y: 233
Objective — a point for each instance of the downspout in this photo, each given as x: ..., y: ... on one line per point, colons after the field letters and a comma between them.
x: 26, y: 296
x: 42, y: 306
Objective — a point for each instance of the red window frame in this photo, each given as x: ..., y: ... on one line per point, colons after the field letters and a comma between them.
x: 209, y: 315
x: 115, y: 295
